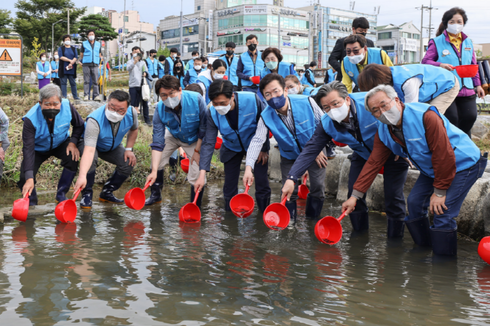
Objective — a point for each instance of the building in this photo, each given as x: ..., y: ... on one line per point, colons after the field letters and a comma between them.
x: 93, y: 11
x: 146, y: 41
x: 402, y: 43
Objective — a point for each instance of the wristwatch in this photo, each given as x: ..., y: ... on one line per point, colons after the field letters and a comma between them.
x: 129, y: 149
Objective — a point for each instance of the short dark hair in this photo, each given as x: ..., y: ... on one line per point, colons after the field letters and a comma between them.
x: 270, y: 78
x: 136, y: 48
x: 195, y: 52
x: 167, y: 82
x: 447, y: 17
x: 203, y: 58
x: 360, y: 22
x: 153, y: 51
x: 220, y: 86
x: 161, y: 58
x: 218, y: 63
x: 230, y: 45
x: 120, y: 95
x: 42, y: 53
x: 373, y: 75
x: 198, y: 58
x: 90, y: 30
x: 194, y: 88
x: 64, y: 37
x: 313, y: 64
x: 355, y: 38
x: 270, y: 50
x: 251, y: 37
x: 174, y: 50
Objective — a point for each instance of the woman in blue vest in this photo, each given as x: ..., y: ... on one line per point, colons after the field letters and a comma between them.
x: 451, y: 47
x: 413, y: 83
x: 55, y: 64
x: 309, y: 76
x: 179, y: 71
x: 217, y: 71
x: 294, y: 87
x: 235, y: 116
x: 272, y: 58
x: 43, y: 70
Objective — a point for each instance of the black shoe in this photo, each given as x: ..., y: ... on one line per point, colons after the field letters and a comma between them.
x: 156, y: 190
x: 396, y: 227
x: 64, y: 184
x: 419, y: 229
x: 199, y: 198
x: 291, y: 206
x: 33, y: 198
x: 444, y: 242
x: 87, y: 192
x: 114, y: 183
x: 313, y: 207
x: 263, y: 202
x: 359, y: 220
x: 227, y: 204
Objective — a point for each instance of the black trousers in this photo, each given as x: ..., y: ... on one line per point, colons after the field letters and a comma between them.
x: 463, y: 113
x: 135, y: 93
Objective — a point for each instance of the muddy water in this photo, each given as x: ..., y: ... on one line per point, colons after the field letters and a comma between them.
x: 116, y: 266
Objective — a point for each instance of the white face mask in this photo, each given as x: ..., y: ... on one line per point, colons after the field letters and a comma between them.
x: 172, y: 102
x: 223, y: 109
x: 455, y: 28
x: 67, y: 42
x: 197, y: 67
x: 293, y: 91
x: 113, y: 117
x: 355, y: 59
x: 390, y: 117
x: 340, y: 113
x: 56, y: 57
x: 43, y: 58
x: 195, y: 58
x: 218, y: 76
x: 91, y: 37
x: 174, y: 55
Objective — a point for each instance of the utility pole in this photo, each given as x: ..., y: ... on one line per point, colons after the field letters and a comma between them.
x: 68, y: 11
x: 181, y: 27
x: 121, y: 66
x: 279, y: 29
x: 422, y: 7
x: 430, y: 8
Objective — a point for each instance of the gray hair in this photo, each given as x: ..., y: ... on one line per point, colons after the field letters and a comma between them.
x: 387, y: 89
x: 49, y: 91
x: 329, y: 88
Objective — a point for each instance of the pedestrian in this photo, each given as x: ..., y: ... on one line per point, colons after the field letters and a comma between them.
x: 152, y: 68
x: 68, y: 67
x: 104, y: 132
x: 193, y: 72
x: 413, y: 83
x: 46, y: 133
x: 249, y: 65
x: 183, y: 115
x: 448, y: 160
x: 4, y: 140
x: 309, y: 76
x: 161, y: 66
x: 358, y: 57
x: 272, y: 58
x: 179, y: 71
x: 137, y: 74
x: 190, y: 63
x: 330, y: 76
x: 292, y: 119
x: 205, y: 63
x: 169, y: 63
x: 227, y: 110
x: 217, y: 71
x: 55, y: 64
x: 231, y: 63
x: 360, y: 26
x: 43, y: 70
x: 451, y: 47
x: 348, y: 122
x: 90, y: 56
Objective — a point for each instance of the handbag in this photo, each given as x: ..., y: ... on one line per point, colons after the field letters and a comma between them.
x: 145, y: 91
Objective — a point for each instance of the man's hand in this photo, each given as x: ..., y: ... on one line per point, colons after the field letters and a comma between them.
x: 151, y: 177
x: 201, y: 181
x: 248, y: 176
x: 195, y: 158
x: 129, y: 155
x: 75, y: 153
x: 2, y: 154
x: 263, y: 157
x: 349, y: 205
x: 437, y: 204
x: 81, y: 182
x: 288, y: 189
x: 28, y: 187
x: 321, y: 160
x: 480, y: 92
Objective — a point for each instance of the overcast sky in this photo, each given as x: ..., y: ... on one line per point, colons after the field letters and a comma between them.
x: 392, y: 11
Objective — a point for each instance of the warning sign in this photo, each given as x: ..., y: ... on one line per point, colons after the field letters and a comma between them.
x: 10, y: 57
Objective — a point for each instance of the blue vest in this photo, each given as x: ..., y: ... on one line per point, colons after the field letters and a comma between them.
x: 331, y: 75
x: 89, y: 55
x: 466, y: 152
x: 171, y: 65
x: 453, y: 59
x: 291, y: 145
x: 189, y: 64
x: 251, y: 69
x: 206, y: 82
x: 305, y: 81
x: 193, y: 75
x: 106, y: 141
x: 368, y: 126
x: 311, y: 91
x: 181, y: 79
x: 284, y: 70
x: 435, y: 80
x: 246, y: 103
x: 54, y: 65
x: 44, y: 69
x: 374, y: 56
x: 152, y: 66
x: 231, y: 70
x: 188, y: 128
x: 44, y: 140
x: 161, y: 70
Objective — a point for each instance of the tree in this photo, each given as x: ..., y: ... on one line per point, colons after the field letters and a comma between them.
x: 5, y: 21
x: 35, y: 19
x: 100, y: 24
x: 165, y: 52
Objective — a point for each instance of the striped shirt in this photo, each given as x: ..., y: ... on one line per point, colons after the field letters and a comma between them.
x: 262, y: 132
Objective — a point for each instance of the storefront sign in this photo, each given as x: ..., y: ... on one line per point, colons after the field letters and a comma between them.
x: 255, y: 10
x: 189, y: 22
x: 287, y: 12
x: 210, y: 26
x: 254, y: 29
x: 228, y: 12
x: 235, y: 31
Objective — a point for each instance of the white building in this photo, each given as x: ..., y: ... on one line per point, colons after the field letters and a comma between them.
x: 402, y: 43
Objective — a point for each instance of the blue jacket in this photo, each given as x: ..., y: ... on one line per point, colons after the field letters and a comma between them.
x: 44, y: 69
x: 374, y: 56
x: 171, y: 66
x: 291, y: 145
x: 89, y: 55
x: 106, y: 141
x: 161, y: 70
x: 249, y: 68
x: 435, y: 80
x: 367, y: 125
x: 305, y: 81
x: 188, y: 129
x: 206, y: 82
x: 231, y: 70
x: 152, y: 66
x: 54, y: 65
x: 466, y: 152
x: 246, y: 104
x: 446, y: 54
x: 285, y: 69
x: 44, y: 140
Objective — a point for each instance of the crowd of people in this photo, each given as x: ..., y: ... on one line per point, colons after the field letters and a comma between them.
x: 392, y: 117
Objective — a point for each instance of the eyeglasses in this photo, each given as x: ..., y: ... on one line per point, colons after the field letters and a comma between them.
x: 50, y: 104
x: 355, y: 51
x: 113, y: 109
x: 165, y: 96
x: 276, y: 92
x: 383, y: 107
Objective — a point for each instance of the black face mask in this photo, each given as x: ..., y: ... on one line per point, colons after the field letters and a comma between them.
x: 177, y: 69
x: 50, y: 113
x: 252, y: 47
x: 363, y: 34
x: 230, y: 52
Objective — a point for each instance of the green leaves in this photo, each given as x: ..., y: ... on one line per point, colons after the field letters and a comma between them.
x: 101, y: 26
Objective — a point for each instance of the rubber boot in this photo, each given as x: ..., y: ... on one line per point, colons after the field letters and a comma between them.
x: 33, y: 198
x: 396, y: 227
x: 114, y: 183
x: 227, y: 204
x: 156, y: 190
x: 199, y: 198
x: 419, y: 229
x: 291, y: 206
x: 444, y: 242
x: 313, y: 207
x: 87, y: 192
x: 64, y: 184
x: 262, y: 202
x: 359, y: 220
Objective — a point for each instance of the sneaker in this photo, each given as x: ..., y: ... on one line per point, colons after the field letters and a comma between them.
x: 85, y: 98
x: 98, y: 98
x: 331, y: 152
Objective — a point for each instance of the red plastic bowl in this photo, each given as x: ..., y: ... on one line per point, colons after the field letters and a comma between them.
x: 466, y: 71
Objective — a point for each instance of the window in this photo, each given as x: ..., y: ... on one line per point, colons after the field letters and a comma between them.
x: 416, y: 36
x: 188, y: 30
x: 126, y: 31
x: 384, y: 36
x: 388, y: 48
x: 126, y: 19
x: 198, y: 7
x: 406, y: 35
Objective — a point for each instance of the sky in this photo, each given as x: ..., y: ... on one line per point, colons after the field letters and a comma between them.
x: 392, y: 11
